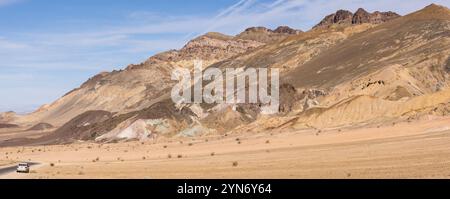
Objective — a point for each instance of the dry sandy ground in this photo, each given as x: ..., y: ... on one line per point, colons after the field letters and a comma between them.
x: 420, y: 149
x: 6, y: 162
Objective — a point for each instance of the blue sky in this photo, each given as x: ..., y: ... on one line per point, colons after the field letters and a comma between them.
x: 48, y: 47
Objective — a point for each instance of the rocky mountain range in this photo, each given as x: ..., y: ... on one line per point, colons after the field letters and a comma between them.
x: 350, y: 69
x: 345, y: 17
x: 135, y: 87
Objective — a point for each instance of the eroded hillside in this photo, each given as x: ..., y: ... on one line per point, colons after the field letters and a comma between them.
x: 351, y: 69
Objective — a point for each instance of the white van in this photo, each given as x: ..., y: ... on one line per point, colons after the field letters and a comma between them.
x: 23, y: 168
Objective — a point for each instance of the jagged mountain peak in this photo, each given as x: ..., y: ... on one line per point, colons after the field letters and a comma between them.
x: 345, y: 17
x: 279, y: 29
x: 257, y: 29
x: 361, y: 10
x: 287, y: 30
x: 267, y: 35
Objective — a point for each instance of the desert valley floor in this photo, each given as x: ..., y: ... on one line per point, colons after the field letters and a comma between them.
x: 418, y: 149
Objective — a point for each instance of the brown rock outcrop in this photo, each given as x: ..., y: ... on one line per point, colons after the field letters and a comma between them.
x: 345, y: 17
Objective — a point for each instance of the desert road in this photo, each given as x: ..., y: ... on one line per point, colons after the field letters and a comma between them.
x: 13, y: 168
